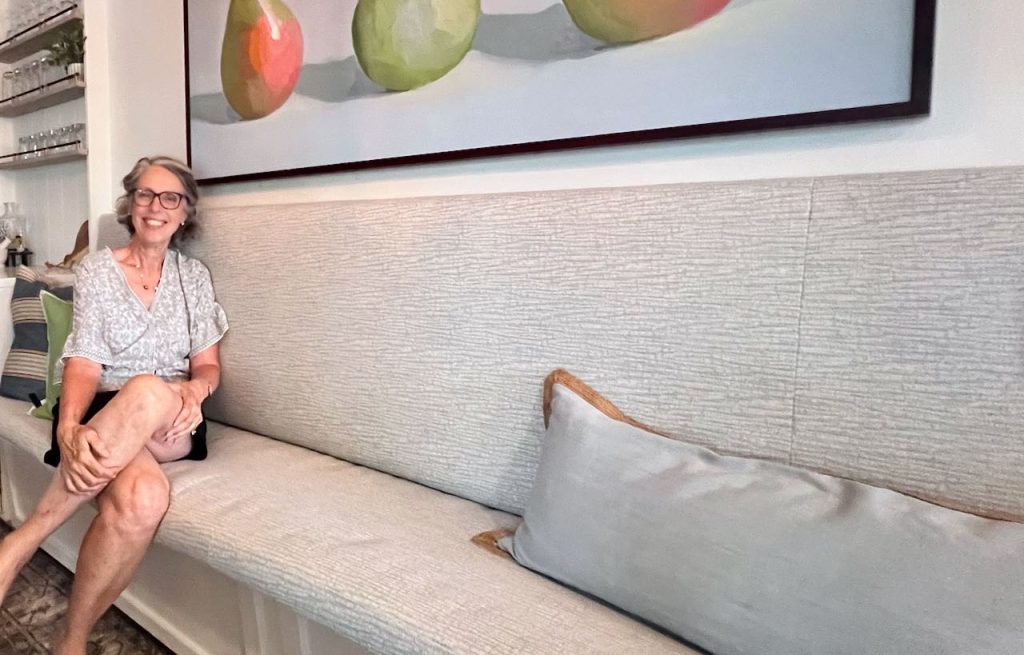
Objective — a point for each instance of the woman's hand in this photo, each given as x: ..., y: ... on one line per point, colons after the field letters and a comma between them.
x: 82, y: 451
x: 193, y: 393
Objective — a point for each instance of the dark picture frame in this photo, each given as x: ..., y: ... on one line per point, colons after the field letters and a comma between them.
x: 202, y: 147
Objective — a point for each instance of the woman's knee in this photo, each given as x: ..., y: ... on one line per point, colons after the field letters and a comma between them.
x: 148, y: 392
x: 137, y: 501
x: 147, y: 386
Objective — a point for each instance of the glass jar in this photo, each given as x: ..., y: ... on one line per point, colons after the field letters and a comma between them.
x: 8, y: 228
x: 12, y: 223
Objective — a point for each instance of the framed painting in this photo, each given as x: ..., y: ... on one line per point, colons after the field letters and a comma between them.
x: 283, y: 87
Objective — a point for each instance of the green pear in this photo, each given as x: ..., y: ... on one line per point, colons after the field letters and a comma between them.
x: 404, y: 44
x: 628, y: 21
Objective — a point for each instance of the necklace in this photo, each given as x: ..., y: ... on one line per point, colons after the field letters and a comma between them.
x: 142, y: 278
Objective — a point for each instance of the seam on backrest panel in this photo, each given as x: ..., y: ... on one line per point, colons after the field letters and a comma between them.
x: 800, y: 318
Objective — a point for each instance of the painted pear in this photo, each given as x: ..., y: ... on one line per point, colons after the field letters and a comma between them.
x: 404, y: 44
x: 628, y: 21
x: 261, y: 56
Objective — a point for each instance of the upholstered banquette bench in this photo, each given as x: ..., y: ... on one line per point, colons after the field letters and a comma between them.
x: 382, y: 404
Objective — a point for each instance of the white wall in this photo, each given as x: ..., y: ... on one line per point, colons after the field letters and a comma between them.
x: 978, y: 101
x: 137, y: 101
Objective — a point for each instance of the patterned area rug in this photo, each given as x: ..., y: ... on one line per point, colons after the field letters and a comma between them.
x: 35, y: 607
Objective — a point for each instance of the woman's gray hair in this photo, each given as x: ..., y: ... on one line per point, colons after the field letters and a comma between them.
x: 123, y: 206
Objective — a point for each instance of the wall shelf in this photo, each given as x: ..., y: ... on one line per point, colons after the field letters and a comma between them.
x: 36, y: 37
x: 54, y: 93
x: 43, y: 156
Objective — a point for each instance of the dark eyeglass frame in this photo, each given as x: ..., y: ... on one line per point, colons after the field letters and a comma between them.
x: 143, y: 197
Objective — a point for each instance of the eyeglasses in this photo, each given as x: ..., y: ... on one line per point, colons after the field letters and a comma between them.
x: 168, y: 199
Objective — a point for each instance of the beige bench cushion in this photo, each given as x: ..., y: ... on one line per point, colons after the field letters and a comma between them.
x: 17, y: 426
x: 384, y: 561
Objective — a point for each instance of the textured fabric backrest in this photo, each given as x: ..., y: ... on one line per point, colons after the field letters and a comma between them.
x: 109, y: 232
x: 911, y: 369
x: 413, y: 335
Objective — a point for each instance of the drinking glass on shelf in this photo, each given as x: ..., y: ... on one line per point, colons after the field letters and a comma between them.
x: 66, y: 137
x: 47, y: 72
x: 19, y: 81
x: 40, y: 143
x: 19, y: 21
x: 8, y: 85
x: 78, y: 134
x: 34, y: 78
x: 28, y: 17
x: 39, y: 12
x: 28, y: 14
x: 22, y: 147
x: 46, y: 9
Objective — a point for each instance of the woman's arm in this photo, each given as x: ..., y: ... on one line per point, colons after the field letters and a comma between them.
x: 204, y: 368
x: 80, y: 445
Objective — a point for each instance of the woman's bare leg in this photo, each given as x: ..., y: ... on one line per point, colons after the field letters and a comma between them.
x: 143, y: 407
x: 131, y: 508
x: 55, y: 507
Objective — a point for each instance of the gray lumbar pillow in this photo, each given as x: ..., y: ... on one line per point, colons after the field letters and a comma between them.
x: 746, y: 556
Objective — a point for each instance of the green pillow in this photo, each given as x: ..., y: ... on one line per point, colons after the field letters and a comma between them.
x: 58, y: 324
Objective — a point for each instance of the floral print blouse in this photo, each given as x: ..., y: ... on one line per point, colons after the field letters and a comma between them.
x: 112, y: 327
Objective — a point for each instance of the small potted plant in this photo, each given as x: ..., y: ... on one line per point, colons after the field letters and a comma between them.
x: 68, y: 50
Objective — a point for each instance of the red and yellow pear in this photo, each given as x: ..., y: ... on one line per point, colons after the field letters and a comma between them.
x: 261, y: 56
x: 629, y: 21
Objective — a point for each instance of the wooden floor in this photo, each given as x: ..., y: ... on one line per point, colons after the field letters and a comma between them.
x: 35, y: 607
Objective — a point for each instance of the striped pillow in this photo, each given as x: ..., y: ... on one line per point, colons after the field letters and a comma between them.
x: 25, y: 369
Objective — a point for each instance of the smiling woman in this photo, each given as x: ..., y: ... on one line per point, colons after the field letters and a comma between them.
x: 162, y: 175
x: 142, y: 356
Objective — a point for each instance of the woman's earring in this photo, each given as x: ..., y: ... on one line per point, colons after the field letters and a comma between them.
x: 183, y: 222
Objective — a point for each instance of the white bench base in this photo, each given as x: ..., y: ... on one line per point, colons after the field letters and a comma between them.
x: 188, y: 606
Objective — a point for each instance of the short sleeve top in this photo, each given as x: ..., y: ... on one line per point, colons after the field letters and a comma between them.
x: 112, y: 327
